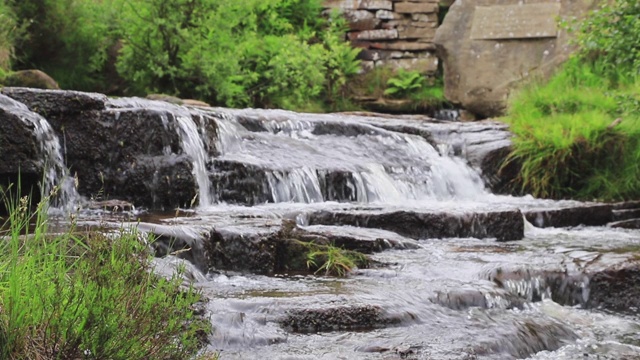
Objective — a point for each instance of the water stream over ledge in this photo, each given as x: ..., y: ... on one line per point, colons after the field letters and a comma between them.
x: 458, y: 272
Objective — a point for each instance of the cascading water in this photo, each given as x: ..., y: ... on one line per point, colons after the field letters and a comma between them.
x: 57, y: 182
x: 301, y: 155
x: 370, y: 184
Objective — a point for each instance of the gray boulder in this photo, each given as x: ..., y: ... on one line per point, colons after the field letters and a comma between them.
x: 488, y: 47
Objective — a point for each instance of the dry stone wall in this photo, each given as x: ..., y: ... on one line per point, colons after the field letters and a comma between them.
x: 394, y: 33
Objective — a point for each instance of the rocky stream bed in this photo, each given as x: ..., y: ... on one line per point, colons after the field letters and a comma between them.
x: 459, y: 270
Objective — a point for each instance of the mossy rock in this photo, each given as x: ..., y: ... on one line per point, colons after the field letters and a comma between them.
x: 31, y: 79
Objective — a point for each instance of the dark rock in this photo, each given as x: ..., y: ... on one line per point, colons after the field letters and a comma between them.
x: 502, y: 225
x: 243, y: 251
x: 626, y: 224
x: 364, y: 317
x: 53, y: 102
x: 133, y: 153
x: 527, y: 337
x: 32, y: 79
x: 239, y: 183
x: 616, y: 289
x: 588, y: 214
x: 22, y: 157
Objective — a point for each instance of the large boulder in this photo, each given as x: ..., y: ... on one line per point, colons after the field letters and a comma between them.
x: 31, y: 78
x: 129, y: 149
x: 489, y: 46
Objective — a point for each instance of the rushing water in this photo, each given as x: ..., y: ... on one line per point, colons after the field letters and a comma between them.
x: 460, y: 298
x: 57, y: 182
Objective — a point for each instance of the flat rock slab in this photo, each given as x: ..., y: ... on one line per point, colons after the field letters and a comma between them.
x: 503, y: 225
x: 616, y: 289
x: 342, y: 318
x: 48, y: 102
x: 523, y: 21
x: 580, y: 214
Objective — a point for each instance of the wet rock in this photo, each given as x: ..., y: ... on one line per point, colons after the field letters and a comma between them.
x: 582, y: 214
x: 626, y: 224
x: 616, y: 289
x: 125, y: 150
x: 527, y: 337
x: 31, y: 79
x: 22, y: 156
x: 502, y: 225
x: 342, y: 318
x: 536, y: 285
x: 238, y: 250
x: 239, y: 183
x: 465, y: 298
x: 57, y: 102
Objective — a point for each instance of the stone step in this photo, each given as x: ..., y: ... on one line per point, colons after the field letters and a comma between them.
x: 626, y: 224
x: 502, y: 225
x: 625, y: 214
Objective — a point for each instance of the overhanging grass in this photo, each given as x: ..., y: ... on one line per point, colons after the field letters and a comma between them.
x: 87, y: 296
x: 578, y: 135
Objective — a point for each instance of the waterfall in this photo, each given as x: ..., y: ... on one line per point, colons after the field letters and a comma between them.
x: 193, y: 146
x: 312, y: 158
x: 56, y: 178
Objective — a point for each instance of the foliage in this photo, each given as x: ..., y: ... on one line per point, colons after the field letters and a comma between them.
x: 269, y: 53
x: 68, y: 39
x: 404, y: 83
x: 87, y: 296
x: 10, y: 33
x: 610, y: 36
x: 578, y: 135
x: 332, y: 260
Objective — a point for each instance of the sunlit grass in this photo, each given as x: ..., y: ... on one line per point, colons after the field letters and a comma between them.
x: 87, y: 296
x: 578, y: 135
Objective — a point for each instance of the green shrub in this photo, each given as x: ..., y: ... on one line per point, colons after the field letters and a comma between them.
x: 404, y: 83
x: 87, y: 296
x: 610, y: 36
x: 10, y: 33
x: 577, y: 135
x: 274, y: 53
x: 67, y: 39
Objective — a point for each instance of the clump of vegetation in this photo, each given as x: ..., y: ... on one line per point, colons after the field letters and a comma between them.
x: 10, y: 33
x: 88, y: 296
x: 404, y: 83
x: 578, y: 135
x: 332, y: 260
x: 262, y: 53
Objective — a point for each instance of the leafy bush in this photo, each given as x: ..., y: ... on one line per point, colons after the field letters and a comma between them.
x: 610, y: 36
x: 404, y: 83
x: 10, y: 33
x: 68, y: 39
x: 73, y: 296
x: 273, y: 53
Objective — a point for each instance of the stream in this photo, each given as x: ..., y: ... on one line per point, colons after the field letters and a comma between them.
x: 458, y: 273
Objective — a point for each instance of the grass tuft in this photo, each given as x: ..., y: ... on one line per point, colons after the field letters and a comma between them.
x: 87, y: 296
x: 578, y: 135
x: 333, y: 261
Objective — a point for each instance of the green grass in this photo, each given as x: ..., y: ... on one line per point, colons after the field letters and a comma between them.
x: 88, y: 296
x: 332, y: 260
x: 578, y: 135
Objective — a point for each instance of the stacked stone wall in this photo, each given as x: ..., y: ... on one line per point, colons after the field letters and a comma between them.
x: 394, y: 33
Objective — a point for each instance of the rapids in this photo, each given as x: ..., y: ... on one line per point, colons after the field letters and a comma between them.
x: 446, y: 297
